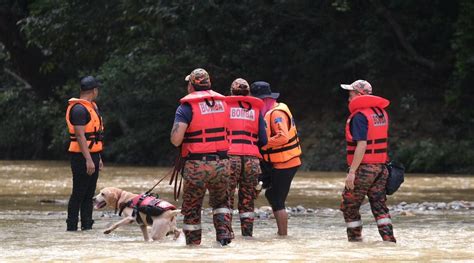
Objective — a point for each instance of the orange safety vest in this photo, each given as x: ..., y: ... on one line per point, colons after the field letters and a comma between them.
x: 372, y: 107
x: 207, y: 132
x: 93, y: 129
x: 244, y: 112
x: 287, y: 151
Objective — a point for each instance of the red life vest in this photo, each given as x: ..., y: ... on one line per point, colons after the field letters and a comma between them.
x: 93, y: 130
x: 244, y: 112
x: 149, y: 205
x: 207, y: 132
x: 150, y: 201
x: 372, y: 107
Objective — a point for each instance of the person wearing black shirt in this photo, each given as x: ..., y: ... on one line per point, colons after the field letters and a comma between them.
x: 85, y: 128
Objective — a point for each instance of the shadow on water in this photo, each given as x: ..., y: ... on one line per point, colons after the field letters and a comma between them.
x: 33, y: 200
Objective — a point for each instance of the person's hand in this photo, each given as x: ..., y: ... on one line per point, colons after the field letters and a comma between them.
x: 90, y: 166
x: 101, y: 165
x: 350, y: 180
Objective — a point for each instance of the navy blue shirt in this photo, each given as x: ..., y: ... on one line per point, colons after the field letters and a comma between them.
x: 359, y: 127
x: 78, y: 115
x: 184, y: 114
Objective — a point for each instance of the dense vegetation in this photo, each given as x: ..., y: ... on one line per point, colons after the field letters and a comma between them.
x: 419, y: 54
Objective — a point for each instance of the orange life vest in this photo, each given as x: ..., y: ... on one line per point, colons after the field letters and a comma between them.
x: 372, y: 107
x: 207, y: 132
x: 287, y: 151
x: 244, y: 112
x: 93, y: 130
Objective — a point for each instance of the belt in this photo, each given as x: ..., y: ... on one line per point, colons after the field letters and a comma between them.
x: 207, y: 156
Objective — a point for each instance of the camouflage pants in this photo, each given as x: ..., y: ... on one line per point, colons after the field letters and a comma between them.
x: 244, y: 173
x: 199, y: 176
x: 370, y: 180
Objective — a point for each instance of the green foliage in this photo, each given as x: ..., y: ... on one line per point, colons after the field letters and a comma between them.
x: 441, y: 156
x: 421, y: 58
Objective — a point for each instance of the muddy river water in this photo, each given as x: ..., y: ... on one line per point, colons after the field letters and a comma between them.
x: 34, y: 195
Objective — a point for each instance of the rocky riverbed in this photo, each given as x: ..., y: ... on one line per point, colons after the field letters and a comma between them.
x: 402, y: 209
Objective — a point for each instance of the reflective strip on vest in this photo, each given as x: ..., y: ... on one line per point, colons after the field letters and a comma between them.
x: 247, y: 215
x: 191, y: 227
x: 221, y: 211
x: 384, y: 221
x: 354, y: 224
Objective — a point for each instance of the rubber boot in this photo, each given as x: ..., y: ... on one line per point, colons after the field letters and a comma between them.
x: 225, y: 241
x: 71, y: 224
x: 87, y: 224
x: 281, y: 217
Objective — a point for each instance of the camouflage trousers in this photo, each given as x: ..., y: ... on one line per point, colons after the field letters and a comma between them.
x: 244, y: 174
x: 199, y: 176
x: 370, y: 180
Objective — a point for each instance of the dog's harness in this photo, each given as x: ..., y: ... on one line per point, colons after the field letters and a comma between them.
x: 149, y: 204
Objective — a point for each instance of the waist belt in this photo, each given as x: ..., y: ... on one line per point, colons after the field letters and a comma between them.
x: 207, y: 156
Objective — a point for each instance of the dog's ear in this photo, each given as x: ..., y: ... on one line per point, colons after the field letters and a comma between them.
x: 122, y: 198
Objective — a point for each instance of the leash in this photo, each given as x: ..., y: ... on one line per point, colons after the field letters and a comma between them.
x: 151, y: 189
x: 177, y: 169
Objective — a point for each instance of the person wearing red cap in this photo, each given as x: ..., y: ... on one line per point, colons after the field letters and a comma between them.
x: 282, y: 153
x: 246, y: 134
x: 366, y: 138
x: 200, y: 129
x: 85, y: 127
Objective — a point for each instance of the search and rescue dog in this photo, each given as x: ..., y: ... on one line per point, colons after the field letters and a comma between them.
x: 146, y: 210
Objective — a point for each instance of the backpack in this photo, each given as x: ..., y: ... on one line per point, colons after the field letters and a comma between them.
x: 396, y: 176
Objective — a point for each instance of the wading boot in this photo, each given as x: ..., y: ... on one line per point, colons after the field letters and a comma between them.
x: 87, y: 224
x: 225, y: 241
x: 71, y: 225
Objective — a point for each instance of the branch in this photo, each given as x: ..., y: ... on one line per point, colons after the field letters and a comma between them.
x: 13, y: 74
x: 382, y: 10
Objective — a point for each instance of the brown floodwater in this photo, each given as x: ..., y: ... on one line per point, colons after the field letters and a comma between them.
x: 33, y: 201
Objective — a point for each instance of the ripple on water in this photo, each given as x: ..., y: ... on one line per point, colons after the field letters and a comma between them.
x: 34, y: 231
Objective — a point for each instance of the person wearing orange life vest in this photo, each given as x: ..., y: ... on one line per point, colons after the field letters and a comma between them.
x: 282, y: 153
x: 246, y: 134
x: 366, y: 138
x: 200, y: 129
x: 85, y: 127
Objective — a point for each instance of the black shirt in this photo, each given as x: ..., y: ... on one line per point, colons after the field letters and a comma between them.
x: 78, y: 115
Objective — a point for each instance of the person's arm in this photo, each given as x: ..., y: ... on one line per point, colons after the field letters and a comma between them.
x: 279, y: 125
x: 79, y: 131
x: 177, y: 133
x: 358, y: 129
x: 183, y: 117
x: 262, y: 133
x: 358, y: 155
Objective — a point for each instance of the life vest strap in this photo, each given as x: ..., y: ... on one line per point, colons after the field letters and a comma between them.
x: 270, y: 151
x: 192, y: 134
x: 369, y: 151
x: 214, y: 130
x: 206, y: 139
x: 286, y: 148
x: 215, y: 139
x: 192, y: 140
x: 242, y: 141
x: 241, y: 132
x: 376, y: 141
